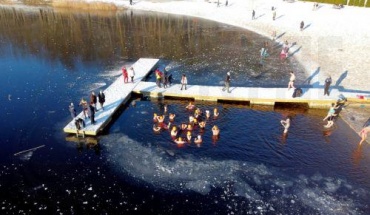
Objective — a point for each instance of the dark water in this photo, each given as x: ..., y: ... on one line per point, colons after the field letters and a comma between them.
x: 49, y: 59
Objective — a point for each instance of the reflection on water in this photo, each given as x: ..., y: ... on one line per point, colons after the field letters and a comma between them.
x: 193, y: 45
x: 51, y: 58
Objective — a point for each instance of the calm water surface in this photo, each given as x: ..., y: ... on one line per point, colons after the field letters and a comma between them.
x: 50, y: 58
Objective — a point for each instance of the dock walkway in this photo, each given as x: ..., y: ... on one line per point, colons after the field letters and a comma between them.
x: 313, y: 97
x: 119, y: 92
x: 116, y: 94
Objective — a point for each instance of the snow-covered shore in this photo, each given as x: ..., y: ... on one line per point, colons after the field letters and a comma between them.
x: 334, y: 41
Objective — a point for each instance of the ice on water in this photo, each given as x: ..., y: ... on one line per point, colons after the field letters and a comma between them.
x: 255, y: 182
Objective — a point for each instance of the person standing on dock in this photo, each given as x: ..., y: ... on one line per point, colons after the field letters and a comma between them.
x: 227, y: 83
x: 184, y: 81
x: 93, y: 100
x: 291, y: 80
x: 72, y: 110
x: 158, y: 77
x: 92, y: 113
x: 327, y: 85
x: 169, y: 80
x: 85, y: 106
x: 131, y: 73
x: 125, y: 74
x: 79, y: 123
x: 165, y: 79
x: 101, y: 98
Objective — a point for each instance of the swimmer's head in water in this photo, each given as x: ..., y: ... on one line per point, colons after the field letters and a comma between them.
x: 215, y: 127
x: 189, y: 133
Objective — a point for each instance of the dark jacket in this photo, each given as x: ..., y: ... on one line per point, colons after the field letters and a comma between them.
x: 101, y: 97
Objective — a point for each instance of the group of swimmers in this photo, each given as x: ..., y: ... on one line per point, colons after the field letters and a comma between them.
x: 196, y: 120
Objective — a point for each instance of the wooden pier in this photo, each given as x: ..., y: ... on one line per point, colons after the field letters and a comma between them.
x: 119, y: 93
x: 115, y: 95
x: 313, y: 97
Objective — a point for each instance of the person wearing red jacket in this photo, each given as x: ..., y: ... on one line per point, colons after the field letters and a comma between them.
x: 125, y: 74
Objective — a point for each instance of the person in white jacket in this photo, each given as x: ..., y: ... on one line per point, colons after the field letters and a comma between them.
x: 131, y: 73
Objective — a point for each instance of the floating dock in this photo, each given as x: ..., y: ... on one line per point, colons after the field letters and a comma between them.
x: 120, y: 92
x: 313, y: 97
x: 115, y: 95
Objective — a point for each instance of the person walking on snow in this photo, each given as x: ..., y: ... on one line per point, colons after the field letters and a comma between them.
x: 302, y: 25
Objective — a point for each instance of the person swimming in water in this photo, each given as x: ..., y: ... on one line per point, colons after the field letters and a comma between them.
x: 160, y: 118
x: 215, y: 113
x: 208, y: 114
x: 190, y: 127
x: 191, y: 119
x: 197, y: 113
x: 155, y: 119
x: 179, y: 141
x: 215, y: 130
x: 184, y: 126
x: 174, y: 131
x: 156, y: 128
x: 202, y: 124
x: 172, y: 116
x: 188, y: 136
x: 195, y: 122
x: 363, y: 134
x: 198, y: 140
x: 166, y: 127
x: 330, y: 122
x: 285, y: 124
x: 190, y: 106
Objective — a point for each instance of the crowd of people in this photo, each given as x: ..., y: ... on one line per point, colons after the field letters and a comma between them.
x: 190, y: 131
x: 199, y: 119
x: 88, y: 109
